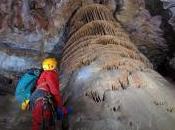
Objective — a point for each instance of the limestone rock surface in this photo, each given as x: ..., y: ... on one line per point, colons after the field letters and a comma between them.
x: 108, y: 81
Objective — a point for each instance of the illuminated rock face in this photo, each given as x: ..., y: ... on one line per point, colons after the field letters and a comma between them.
x: 109, y: 83
x: 26, y: 14
x: 24, y: 29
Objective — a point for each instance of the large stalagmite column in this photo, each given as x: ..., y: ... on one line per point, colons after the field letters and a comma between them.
x: 109, y: 83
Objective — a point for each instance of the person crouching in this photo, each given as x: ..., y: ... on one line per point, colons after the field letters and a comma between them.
x: 46, y: 98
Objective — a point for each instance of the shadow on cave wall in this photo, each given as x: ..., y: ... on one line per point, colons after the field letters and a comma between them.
x: 155, y: 7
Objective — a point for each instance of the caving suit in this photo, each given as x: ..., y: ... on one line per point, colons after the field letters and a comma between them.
x: 44, y: 100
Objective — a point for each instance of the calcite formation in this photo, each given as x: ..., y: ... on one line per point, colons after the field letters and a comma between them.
x: 108, y: 81
x: 106, y: 78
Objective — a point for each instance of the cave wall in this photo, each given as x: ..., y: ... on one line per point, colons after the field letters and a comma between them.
x: 30, y: 31
x: 165, y: 9
x: 110, y: 75
x: 144, y: 30
x: 170, y: 6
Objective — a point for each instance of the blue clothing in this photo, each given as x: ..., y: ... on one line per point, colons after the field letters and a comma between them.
x: 38, y: 93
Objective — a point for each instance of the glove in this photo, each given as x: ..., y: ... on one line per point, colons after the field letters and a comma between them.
x: 69, y: 110
x: 60, y: 113
x: 25, y: 105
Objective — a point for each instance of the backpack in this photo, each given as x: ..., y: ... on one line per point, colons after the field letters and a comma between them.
x: 26, y: 85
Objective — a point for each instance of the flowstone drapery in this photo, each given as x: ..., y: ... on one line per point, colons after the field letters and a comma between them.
x: 109, y: 83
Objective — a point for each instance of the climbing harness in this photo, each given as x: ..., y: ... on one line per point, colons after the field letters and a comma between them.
x: 48, y: 104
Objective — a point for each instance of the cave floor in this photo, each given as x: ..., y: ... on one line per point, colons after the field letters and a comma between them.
x: 11, y: 118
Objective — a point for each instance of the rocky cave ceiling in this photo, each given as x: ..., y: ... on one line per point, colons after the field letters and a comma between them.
x: 32, y: 29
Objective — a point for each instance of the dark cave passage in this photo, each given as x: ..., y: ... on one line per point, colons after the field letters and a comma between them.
x: 156, y: 8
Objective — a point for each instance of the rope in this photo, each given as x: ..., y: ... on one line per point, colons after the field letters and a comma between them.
x: 48, y: 102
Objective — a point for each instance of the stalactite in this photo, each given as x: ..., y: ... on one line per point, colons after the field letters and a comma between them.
x: 98, y: 27
x: 109, y: 76
x: 86, y: 15
x: 103, y: 42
